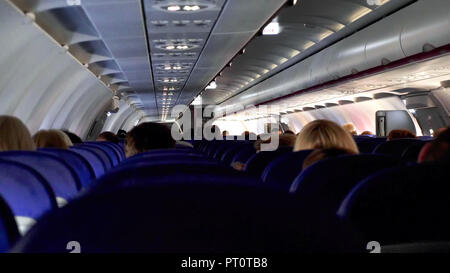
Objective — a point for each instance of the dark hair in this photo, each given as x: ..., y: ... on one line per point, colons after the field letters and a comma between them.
x: 438, y: 150
x: 121, y: 134
x: 149, y: 136
x: 400, y: 133
x: 109, y: 136
x: 73, y: 137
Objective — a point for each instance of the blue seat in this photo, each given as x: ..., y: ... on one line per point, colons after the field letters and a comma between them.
x: 163, y: 158
x: 113, y: 150
x: 220, y: 151
x: 61, y: 176
x: 185, y: 218
x: 323, y: 185
x: 395, y: 147
x: 411, y: 154
x: 231, y: 152
x: 93, y: 158
x: 401, y: 205
x: 27, y: 193
x: 256, y: 164
x: 168, y: 151
x: 368, y: 144
x: 106, y: 152
x: 8, y: 228
x: 80, y: 165
x: 244, y: 153
x: 171, y: 170
x: 282, y: 171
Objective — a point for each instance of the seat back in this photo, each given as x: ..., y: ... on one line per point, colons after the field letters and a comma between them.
x: 106, y: 153
x: 113, y: 150
x: 80, y: 165
x: 194, y: 218
x: 176, y: 170
x: 93, y: 158
x: 244, y: 153
x: 8, y: 228
x: 259, y: 161
x: 411, y: 153
x: 27, y: 193
x: 283, y: 170
x: 401, y: 205
x: 395, y: 147
x: 325, y: 184
x: 61, y: 176
x: 230, y: 153
x: 161, y: 159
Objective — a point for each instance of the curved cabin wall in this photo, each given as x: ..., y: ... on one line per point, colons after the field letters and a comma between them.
x: 361, y: 114
x: 41, y: 83
x: 407, y: 32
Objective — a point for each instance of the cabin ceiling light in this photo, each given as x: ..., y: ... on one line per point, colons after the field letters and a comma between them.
x: 73, y: 2
x: 174, y: 8
x: 272, y: 28
x: 212, y: 85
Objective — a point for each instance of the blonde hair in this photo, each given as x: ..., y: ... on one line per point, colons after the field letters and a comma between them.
x: 324, y: 134
x: 14, y: 135
x: 52, y: 139
x: 349, y: 127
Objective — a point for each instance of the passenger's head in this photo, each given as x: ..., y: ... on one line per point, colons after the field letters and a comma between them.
x: 121, y: 134
x: 289, y: 132
x: 349, y: 127
x: 249, y: 136
x: 14, y: 135
x: 148, y: 136
x: 367, y: 133
x: 438, y: 150
x: 225, y: 133
x: 324, y: 134
x: 322, y: 154
x: 52, y: 139
x: 73, y: 137
x: 109, y: 137
x: 284, y: 140
x: 400, y: 133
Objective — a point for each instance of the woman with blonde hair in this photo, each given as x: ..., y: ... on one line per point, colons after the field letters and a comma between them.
x: 52, y: 139
x: 324, y: 134
x: 14, y: 135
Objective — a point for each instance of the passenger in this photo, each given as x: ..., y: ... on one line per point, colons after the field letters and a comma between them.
x: 399, y: 134
x: 73, y: 137
x: 285, y: 140
x: 52, y: 139
x: 249, y: 135
x: 324, y: 134
x: 225, y: 133
x: 440, y: 131
x: 108, y: 137
x: 367, y: 133
x: 322, y: 154
x: 349, y: 127
x: 14, y: 135
x: 438, y: 150
x: 148, y: 136
x: 122, y: 134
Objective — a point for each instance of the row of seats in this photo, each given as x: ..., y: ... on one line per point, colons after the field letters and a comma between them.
x: 193, y: 201
x: 34, y: 183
